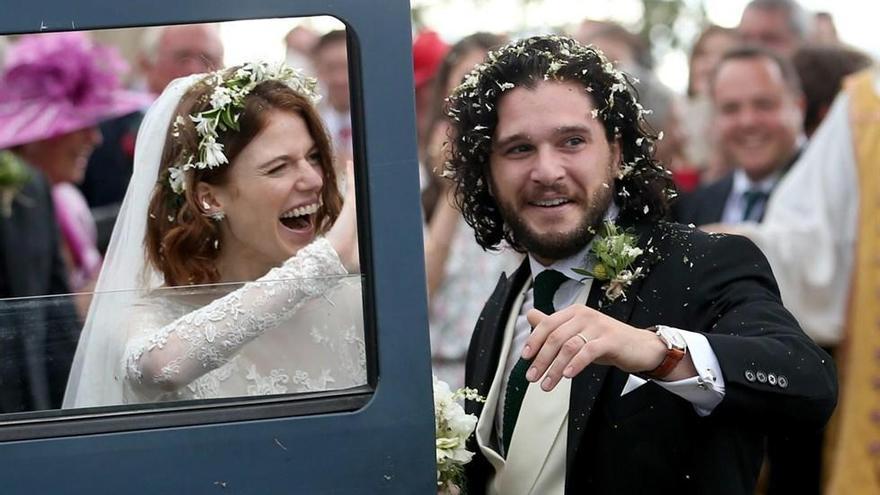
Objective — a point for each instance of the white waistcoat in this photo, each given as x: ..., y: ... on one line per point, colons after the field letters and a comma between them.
x: 536, y: 461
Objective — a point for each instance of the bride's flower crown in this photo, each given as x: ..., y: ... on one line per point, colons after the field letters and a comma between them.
x: 227, y: 103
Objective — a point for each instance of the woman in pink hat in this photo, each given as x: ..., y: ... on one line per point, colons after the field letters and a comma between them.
x: 55, y: 90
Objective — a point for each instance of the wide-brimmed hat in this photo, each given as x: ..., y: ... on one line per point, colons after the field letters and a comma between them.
x: 57, y: 83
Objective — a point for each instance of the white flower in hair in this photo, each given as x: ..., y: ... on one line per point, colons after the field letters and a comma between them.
x: 227, y: 103
x: 204, y: 126
x: 175, y: 129
x: 175, y: 178
x: 212, y: 153
x: 221, y: 97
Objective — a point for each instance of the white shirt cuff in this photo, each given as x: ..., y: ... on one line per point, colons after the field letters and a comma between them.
x: 704, y: 391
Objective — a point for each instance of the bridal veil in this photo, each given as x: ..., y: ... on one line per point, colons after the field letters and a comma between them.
x: 95, y: 377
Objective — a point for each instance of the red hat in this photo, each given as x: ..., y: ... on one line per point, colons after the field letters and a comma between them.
x: 428, y: 53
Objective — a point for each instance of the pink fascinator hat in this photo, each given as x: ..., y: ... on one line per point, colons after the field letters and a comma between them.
x: 53, y: 84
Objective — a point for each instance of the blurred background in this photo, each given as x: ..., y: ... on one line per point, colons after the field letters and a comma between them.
x: 668, y: 26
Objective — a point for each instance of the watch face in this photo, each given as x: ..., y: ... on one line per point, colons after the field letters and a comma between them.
x: 672, y: 338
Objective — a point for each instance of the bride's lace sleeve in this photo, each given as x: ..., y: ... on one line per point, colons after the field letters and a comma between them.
x: 163, y: 359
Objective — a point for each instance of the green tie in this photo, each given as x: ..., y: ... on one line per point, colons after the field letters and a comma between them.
x: 754, y: 198
x: 546, y: 284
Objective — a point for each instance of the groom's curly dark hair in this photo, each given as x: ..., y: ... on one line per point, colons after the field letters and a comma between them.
x: 643, y: 188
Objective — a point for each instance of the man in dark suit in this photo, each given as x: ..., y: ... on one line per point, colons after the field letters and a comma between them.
x: 758, y: 115
x: 38, y: 335
x: 663, y: 370
x: 758, y: 107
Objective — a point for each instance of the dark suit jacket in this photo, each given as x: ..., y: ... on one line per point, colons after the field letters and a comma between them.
x: 705, y: 205
x: 37, y: 336
x: 652, y: 441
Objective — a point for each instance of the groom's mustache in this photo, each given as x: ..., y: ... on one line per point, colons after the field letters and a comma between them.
x: 555, y: 189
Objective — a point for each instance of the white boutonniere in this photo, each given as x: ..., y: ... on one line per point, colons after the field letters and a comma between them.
x: 13, y: 176
x: 611, y: 257
x: 452, y: 429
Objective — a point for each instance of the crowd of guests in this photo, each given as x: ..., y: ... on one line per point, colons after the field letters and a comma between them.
x: 750, y: 122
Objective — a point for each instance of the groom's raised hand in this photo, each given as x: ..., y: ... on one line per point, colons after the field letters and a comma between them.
x: 564, y: 343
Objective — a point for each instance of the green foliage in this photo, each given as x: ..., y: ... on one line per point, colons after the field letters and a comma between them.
x: 13, y: 173
x: 613, y: 251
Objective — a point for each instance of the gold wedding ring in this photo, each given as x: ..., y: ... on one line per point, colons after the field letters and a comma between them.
x: 586, y: 340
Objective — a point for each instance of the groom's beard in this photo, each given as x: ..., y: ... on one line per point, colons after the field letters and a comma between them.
x: 561, y: 245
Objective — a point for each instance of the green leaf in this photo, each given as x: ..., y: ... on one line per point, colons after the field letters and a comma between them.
x: 584, y: 272
x: 13, y: 173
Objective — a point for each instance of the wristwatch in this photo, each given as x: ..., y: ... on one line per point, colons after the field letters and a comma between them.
x: 676, y: 347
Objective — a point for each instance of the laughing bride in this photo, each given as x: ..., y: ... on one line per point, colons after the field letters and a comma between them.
x: 234, y: 181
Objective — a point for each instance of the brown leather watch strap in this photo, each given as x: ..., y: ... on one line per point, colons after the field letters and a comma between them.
x: 673, y: 357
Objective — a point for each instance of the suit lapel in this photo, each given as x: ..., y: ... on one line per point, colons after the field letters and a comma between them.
x: 487, y: 341
x: 586, y: 386
x: 495, y: 339
x: 485, y: 430
x: 482, y: 361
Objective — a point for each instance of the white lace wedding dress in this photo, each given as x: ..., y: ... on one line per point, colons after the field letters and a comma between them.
x: 297, y: 329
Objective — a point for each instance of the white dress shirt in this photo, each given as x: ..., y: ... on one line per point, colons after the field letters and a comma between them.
x: 735, y: 206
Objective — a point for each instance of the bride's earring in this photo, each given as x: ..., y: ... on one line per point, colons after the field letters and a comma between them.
x: 217, y: 215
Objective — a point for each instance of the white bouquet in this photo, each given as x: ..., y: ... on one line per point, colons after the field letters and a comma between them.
x: 452, y: 427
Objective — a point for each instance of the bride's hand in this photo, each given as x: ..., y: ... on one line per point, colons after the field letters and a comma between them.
x: 343, y: 234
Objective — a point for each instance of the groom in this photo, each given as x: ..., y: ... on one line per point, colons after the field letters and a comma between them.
x: 664, y: 369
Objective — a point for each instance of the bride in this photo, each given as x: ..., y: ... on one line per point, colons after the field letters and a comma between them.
x: 234, y: 181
